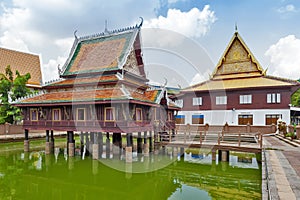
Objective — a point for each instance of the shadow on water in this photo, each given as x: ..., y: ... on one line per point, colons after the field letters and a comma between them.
x: 38, y: 176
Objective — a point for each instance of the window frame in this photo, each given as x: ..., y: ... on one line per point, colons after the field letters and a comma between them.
x: 200, y: 120
x: 221, y: 100
x: 246, y: 99
x: 113, y: 114
x: 84, y: 114
x: 270, y: 116
x: 59, y: 114
x: 139, y: 112
x: 180, y: 118
x: 197, y: 101
x: 273, y: 98
x: 36, y: 114
x: 245, y: 123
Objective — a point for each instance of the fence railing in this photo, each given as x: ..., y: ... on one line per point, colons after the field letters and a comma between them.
x: 213, y: 137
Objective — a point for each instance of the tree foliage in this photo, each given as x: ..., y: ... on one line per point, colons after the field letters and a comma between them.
x: 296, y: 98
x: 12, y: 88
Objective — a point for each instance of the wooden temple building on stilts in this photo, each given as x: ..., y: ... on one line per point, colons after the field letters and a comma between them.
x: 102, y: 91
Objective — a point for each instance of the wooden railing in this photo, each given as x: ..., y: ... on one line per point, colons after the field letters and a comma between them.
x: 213, y: 137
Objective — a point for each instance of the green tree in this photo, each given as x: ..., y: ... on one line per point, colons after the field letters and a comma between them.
x: 10, y: 89
x: 296, y: 98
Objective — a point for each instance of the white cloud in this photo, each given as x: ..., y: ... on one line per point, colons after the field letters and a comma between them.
x: 286, y: 9
x: 44, y: 27
x: 198, y: 78
x: 50, y: 70
x: 174, y: 1
x: 285, y: 57
x: 11, y: 41
x: 194, y: 23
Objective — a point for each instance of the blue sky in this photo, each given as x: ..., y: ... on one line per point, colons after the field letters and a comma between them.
x: 269, y: 27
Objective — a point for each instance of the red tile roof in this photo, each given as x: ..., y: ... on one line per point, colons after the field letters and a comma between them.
x: 85, y: 80
x: 91, y: 95
x: 23, y: 62
x: 98, y: 54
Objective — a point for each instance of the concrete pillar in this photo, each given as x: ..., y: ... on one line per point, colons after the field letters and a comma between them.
x: 150, y: 142
x: 47, y: 148
x: 139, y: 143
x: 225, y: 156
x: 128, y: 149
x: 100, y: 144
x: 47, y: 145
x: 52, y: 142
x: 71, y: 147
x: 107, y: 146
x: 26, y: 141
x: 219, y: 155
x: 128, y: 154
x: 47, y: 136
x: 117, y: 144
x: 91, y: 142
x: 81, y: 142
x: 87, y: 143
x: 71, y: 144
x: 95, y: 151
x: 182, y: 152
x: 145, y: 145
x: 213, y: 155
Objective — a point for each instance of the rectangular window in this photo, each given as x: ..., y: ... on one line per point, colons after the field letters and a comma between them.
x: 109, y: 114
x: 246, y: 99
x: 138, y: 114
x: 180, y: 119
x: 33, y: 114
x: 274, y: 98
x: 221, y: 100
x: 197, y: 119
x: 56, y: 114
x: 80, y: 114
x: 272, y: 118
x: 197, y: 101
x: 245, y: 119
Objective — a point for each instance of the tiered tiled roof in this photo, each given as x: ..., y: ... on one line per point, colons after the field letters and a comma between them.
x: 238, y: 69
x: 100, y: 53
x: 24, y: 63
x: 83, y: 81
x: 96, y: 66
x: 101, y: 96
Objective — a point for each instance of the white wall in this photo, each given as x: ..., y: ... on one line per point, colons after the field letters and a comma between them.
x: 220, y: 117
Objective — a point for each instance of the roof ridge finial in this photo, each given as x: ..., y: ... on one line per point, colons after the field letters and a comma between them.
x: 236, y: 28
x: 106, y: 30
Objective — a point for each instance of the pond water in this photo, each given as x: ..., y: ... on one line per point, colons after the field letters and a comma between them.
x: 35, y: 175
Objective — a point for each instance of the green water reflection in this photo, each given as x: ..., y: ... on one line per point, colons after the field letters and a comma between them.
x: 39, y: 176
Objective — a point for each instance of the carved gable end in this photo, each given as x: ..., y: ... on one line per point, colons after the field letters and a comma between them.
x: 237, y: 59
x: 131, y: 64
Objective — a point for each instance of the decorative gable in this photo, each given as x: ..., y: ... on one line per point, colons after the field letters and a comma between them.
x: 237, y: 59
x: 131, y: 64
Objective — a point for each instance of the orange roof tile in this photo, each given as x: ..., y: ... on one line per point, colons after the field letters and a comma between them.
x: 90, y: 95
x: 98, y: 54
x: 23, y: 62
x: 149, y: 96
x: 85, y: 80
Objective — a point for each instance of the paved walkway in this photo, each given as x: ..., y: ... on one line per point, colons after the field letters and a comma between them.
x: 283, y: 168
